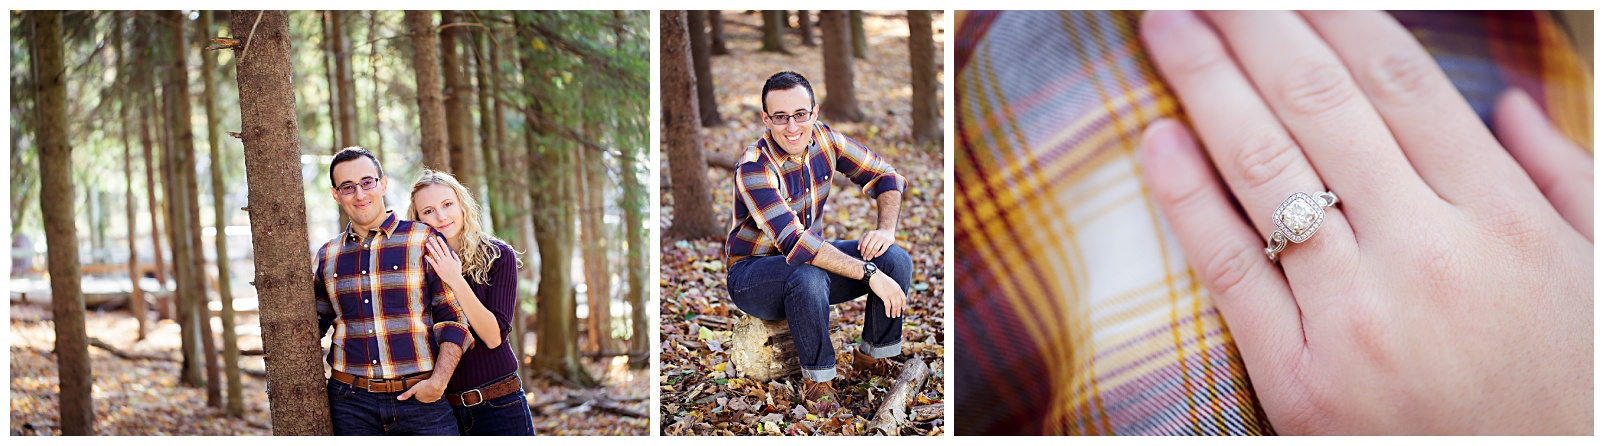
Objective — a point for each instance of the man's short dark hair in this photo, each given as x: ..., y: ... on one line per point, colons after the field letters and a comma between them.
x: 786, y: 80
x: 351, y: 153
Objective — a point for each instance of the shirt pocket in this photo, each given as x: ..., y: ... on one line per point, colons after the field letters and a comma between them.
x: 400, y: 281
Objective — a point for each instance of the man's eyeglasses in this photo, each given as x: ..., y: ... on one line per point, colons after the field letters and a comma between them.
x: 783, y: 119
x: 367, y: 183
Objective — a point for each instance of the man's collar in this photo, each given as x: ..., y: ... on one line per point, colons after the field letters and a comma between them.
x: 388, y: 227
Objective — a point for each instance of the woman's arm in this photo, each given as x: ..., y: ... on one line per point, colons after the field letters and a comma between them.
x: 448, y: 265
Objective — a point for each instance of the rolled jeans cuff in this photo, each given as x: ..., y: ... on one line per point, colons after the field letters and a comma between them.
x: 819, y: 375
x: 881, y: 351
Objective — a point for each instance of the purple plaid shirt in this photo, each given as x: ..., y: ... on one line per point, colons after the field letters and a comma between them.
x: 388, y: 308
x: 780, y: 198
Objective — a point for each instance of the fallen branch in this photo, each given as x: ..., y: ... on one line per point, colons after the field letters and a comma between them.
x: 139, y: 357
x: 888, y: 419
x: 572, y: 403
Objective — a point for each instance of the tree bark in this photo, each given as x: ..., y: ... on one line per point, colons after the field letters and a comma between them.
x: 146, y: 90
x: 693, y: 198
x: 715, y: 21
x: 552, y: 197
x: 373, y: 67
x: 598, y: 244
x: 840, y: 100
x: 773, y: 31
x: 926, y: 84
x: 347, y: 91
x: 231, y: 371
x: 487, y: 136
x: 888, y: 419
x: 331, y: 74
x: 431, y: 106
x: 704, y: 69
x: 806, y: 26
x: 277, y: 209
x: 174, y: 163
x: 136, y: 297
x: 457, y: 100
x: 184, y: 143
x: 635, y: 235
x: 77, y: 409
x: 860, y: 41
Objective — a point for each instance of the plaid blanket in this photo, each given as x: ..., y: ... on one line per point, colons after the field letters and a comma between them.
x: 1076, y: 312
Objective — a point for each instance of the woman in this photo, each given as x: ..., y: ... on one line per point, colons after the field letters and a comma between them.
x: 482, y: 272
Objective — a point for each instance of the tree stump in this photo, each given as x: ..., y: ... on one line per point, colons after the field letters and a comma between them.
x: 763, y: 350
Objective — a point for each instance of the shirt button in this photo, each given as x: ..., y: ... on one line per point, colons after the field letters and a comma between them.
x: 375, y: 361
x: 393, y: 267
x: 364, y: 301
x: 364, y: 271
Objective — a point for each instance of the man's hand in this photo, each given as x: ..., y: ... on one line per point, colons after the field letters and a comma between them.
x: 890, y: 293
x: 427, y: 391
x: 874, y: 243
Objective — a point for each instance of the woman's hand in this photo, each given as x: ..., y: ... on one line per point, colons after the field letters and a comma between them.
x: 1445, y: 293
x: 446, y: 263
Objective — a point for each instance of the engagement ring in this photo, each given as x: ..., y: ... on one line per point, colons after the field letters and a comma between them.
x: 1297, y: 218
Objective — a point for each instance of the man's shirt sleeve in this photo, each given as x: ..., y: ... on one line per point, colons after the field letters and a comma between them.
x: 862, y: 167
x: 759, y: 187
x: 320, y: 293
x: 449, y: 325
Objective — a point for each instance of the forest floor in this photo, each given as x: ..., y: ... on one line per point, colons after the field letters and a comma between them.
x: 700, y: 393
x: 143, y: 397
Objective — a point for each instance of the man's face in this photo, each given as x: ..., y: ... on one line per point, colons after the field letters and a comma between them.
x: 364, y: 206
x: 794, y: 135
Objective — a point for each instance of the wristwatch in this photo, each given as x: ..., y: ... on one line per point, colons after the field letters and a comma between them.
x: 868, y: 271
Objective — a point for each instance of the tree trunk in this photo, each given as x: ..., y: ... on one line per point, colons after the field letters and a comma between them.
x: 806, y: 25
x: 136, y: 296
x: 457, y: 101
x: 277, y: 208
x: 373, y: 68
x: 704, y: 69
x: 840, y: 100
x: 342, y: 70
x: 599, y: 242
x: 715, y: 21
x: 331, y: 74
x: 61, y: 233
x: 487, y: 137
x: 214, y: 134
x: 860, y: 41
x: 773, y: 35
x: 431, y: 107
x: 552, y: 198
x: 926, y: 84
x: 184, y: 143
x: 635, y: 235
x: 173, y: 165
x: 693, y: 199
x: 146, y: 88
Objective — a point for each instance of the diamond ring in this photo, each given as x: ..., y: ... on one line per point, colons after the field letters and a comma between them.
x: 1297, y: 218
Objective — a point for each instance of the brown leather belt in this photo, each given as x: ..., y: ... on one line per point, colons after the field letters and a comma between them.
x: 385, y: 385
x: 506, y: 386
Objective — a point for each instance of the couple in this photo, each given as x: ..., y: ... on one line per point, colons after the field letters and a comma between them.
x: 411, y: 299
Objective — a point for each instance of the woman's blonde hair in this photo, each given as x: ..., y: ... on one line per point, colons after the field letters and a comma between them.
x: 478, y: 251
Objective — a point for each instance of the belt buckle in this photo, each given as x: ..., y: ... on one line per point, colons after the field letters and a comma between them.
x: 371, y: 382
x: 465, y: 398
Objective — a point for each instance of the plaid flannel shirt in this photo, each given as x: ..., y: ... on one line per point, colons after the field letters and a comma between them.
x: 388, y: 308
x: 779, y: 198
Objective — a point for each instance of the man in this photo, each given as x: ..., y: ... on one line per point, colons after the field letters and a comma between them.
x: 781, y: 268
x: 389, y: 312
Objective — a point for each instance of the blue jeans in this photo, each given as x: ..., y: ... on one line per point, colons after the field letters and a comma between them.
x: 503, y: 416
x: 360, y: 412
x: 769, y: 289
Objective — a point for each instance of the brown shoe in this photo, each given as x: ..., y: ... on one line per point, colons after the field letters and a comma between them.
x: 819, y: 392
x: 870, y: 365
